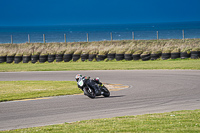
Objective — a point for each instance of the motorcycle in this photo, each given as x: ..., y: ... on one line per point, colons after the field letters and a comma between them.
x: 91, y: 88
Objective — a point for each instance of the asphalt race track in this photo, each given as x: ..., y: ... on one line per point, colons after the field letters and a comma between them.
x: 150, y: 91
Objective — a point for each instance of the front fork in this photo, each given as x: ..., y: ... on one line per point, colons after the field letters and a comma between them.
x: 89, y: 88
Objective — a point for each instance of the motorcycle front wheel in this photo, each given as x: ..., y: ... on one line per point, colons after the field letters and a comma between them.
x: 89, y: 92
x: 106, y: 92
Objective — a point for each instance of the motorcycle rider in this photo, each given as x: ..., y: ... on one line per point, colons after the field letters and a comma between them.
x: 96, y: 80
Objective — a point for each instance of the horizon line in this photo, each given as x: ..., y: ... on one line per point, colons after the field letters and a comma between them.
x: 78, y: 24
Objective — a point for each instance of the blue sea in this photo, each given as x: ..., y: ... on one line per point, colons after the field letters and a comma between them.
x: 78, y: 33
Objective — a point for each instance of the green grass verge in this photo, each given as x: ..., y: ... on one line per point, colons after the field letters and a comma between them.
x: 104, y: 65
x: 176, y: 121
x: 17, y: 90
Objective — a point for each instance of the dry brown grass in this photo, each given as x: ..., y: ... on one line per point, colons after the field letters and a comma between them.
x: 102, y: 47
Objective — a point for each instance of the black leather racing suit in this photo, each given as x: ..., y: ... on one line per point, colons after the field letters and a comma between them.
x: 92, y: 83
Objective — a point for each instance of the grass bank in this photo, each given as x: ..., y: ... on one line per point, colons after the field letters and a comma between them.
x: 176, y: 121
x: 101, y: 47
x: 193, y: 64
x: 17, y: 90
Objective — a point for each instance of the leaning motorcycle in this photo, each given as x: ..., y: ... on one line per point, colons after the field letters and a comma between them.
x: 91, y: 88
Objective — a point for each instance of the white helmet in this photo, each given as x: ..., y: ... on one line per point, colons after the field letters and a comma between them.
x: 77, y: 77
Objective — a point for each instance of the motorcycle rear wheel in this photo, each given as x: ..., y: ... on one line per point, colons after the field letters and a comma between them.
x: 106, y: 92
x: 89, y: 92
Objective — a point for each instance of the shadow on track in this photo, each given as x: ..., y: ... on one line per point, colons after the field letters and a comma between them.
x: 110, y: 97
